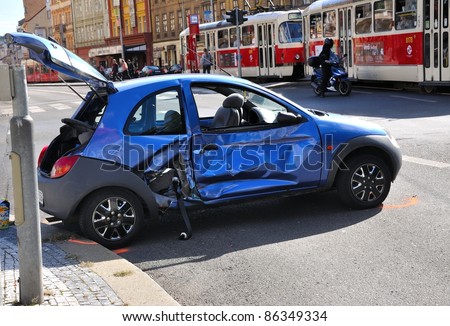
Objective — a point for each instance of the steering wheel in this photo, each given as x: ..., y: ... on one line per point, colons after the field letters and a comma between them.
x: 78, y: 125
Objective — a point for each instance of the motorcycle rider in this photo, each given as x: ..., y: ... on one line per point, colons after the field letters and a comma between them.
x: 325, y: 62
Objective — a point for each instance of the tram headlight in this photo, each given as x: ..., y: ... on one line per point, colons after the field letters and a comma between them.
x: 297, y: 56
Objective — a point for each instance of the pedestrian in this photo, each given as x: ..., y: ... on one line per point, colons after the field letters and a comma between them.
x: 206, y: 61
x: 131, y: 69
x: 115, y: 70
x: 124, y: 66
x: 101, y: 69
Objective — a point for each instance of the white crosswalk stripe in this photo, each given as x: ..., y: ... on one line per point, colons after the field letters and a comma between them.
x: 41, y: 109
x: 60, y: 106
x: 35, y: 109
x: 6, y: 112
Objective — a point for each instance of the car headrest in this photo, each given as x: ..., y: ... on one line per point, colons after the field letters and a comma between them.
x: 233, y: 101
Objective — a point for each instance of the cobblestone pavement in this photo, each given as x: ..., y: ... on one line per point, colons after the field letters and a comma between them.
x: 66, y: 281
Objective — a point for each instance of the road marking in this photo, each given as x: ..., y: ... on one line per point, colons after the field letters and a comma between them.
x: 423, y: 161
x: 54, y: 90
x: 411, y: 201
x: 60, y: 106
x: 6, y: 113
x: 414, y: 99
x: 35, y: 109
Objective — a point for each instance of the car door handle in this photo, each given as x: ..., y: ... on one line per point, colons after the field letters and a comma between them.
x: 209, y: 147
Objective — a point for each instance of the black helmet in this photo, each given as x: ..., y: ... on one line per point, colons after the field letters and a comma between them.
x: 328, y: 43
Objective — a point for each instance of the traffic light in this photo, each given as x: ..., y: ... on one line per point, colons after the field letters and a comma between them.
x: 233, y: 17
x: 241, y: 18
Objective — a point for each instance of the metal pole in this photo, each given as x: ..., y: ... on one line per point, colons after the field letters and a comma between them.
x: 122, y: 52
x: 212, y: 11
x: 238, y: 35
x: 24, y: 178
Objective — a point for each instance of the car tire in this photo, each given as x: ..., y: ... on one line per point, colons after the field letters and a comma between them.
x: 111, y: 217
x: 365, y: 182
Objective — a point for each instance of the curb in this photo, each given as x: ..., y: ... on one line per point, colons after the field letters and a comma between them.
x: 131, y: 285
x: 88, y: 260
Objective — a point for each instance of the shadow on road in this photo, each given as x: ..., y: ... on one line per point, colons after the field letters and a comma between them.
x: 221, y: 230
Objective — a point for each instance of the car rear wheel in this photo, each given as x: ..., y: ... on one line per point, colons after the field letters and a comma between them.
x: 111, y: 217
x: 365, y: 183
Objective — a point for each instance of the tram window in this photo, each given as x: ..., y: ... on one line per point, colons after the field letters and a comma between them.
x: 233, y: 37
x: 248, y: 35
x: 405, y: 14
x: 223, y: 38
x: 329, y: 23
x: 445, y: 14
x: 445, y: 49
x: 427, y: 14
x: 289, y: 32
x: 383, y: 15
x: 427, y: 58
x: 315, y: 24
x: 363, y: 18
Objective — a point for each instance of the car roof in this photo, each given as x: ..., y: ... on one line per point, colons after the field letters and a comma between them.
x: 206, y: 78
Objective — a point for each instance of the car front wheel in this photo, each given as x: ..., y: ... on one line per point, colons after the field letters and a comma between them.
x: 365, y: 182
x: 111, y: 217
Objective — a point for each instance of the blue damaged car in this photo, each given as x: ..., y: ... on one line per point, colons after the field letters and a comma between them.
x: 134, y: 149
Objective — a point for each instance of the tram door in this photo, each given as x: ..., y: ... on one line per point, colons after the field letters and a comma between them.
x: 436, y: 34
x: 266, y: 44
x: 345, y: 38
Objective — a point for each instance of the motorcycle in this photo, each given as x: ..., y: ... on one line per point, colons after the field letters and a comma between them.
x: 339, y: 81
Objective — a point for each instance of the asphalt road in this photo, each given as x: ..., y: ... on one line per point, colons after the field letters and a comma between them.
x: 305, y: 250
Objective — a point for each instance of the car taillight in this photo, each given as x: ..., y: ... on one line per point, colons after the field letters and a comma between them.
x: 63, y: 166
x: 41, y: 155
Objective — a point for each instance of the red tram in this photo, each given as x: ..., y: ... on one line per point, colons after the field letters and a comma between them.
x: 37, y: 73
x: 271, y: 45
x: 386, y: 40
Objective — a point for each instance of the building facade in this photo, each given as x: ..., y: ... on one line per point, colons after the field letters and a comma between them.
x: 37, y: 17
x: 130, y: 30
x: 62, y: 23
x: 91, y: 28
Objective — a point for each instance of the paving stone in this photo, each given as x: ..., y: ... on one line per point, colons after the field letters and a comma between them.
x: 66, y: 281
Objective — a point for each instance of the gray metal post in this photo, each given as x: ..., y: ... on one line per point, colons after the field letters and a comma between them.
x: 238, y: 35
x: 26, y: 206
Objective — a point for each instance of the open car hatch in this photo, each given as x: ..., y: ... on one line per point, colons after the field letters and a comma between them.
x: 56, y: 57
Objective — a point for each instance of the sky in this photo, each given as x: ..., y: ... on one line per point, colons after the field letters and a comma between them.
x: 11, y: 12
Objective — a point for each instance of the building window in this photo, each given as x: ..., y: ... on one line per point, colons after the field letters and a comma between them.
x: 180, y: 20
x: 164, y: 22
x: 157, y: 24
x: 172, y: 21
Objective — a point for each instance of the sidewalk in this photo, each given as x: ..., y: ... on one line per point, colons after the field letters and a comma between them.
x: 78, y: 272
